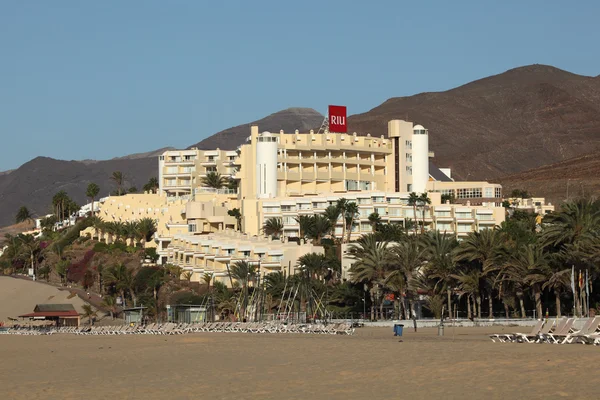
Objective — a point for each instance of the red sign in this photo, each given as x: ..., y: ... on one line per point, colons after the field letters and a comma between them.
x: 337, y: 119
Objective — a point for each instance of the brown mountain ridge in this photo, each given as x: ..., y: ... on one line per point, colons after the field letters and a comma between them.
x: 493, y: 128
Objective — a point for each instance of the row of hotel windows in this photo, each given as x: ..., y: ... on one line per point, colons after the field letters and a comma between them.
x: 397, y: 212
x: 366, y: 227
x: 473, y: 193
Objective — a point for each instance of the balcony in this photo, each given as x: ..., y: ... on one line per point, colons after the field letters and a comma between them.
x: 308, y: 176
x: 337, y: 175
x: 323, y: 175
x: 293, y: 176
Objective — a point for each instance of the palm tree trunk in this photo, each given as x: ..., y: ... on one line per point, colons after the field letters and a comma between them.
x: 479, y: 306
x: 469, y: 307
x: 522, y: 306
x: 371, y: 295
x: 381, y: 316
x: 506, y: 309
x: 415, y: 217
x: 491, y: 305
x: 449, y: 292
x: 538, y: 300
x: 557, y: 295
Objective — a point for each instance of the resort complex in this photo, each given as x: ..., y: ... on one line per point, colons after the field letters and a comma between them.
x: 212, y: 207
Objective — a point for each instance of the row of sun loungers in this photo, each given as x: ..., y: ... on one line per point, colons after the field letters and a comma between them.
x: 176, y: 329
x: 556, y: 332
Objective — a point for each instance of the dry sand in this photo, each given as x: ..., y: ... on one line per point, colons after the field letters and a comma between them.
x: 372, y: 364
x: 19, y: 296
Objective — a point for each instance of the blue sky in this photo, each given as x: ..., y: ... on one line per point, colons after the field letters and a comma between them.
x: 99, y: 79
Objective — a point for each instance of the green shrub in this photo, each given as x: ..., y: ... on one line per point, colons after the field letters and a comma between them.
x: 101, y: 247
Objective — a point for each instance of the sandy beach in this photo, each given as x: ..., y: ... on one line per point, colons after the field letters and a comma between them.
x: 372, y: 363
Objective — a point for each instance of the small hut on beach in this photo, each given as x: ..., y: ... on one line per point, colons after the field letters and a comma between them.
x: 60, y: 314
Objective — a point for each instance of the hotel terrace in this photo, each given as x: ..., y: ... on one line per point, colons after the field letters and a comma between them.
x: 285, y: 175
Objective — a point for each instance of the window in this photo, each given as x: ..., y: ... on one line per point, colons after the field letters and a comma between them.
x: 288, y: 220
x: 462, y: 228
x: 468, y: 193
x: 379, y: 199
x: 408, y: 144
x: 445, y: 227
x: 394, y: 212
x: 171, y: 170
x: 363, y: 201
x: 443, y: 213
x: 189, y: 158
x: 485, y: 217
x: 408, y: 157
x: 271, y: 209
x: 489, y: 192
x: 380, y: 211
x: 498, y: 193
x: 409, y: 169
x: 463, y: 215
x: 447, y: 192
x: 288, y: 208
x: 211, y: 169
x: 365, y: 227
x: 365, y: 212
x: 393, y: 200
x: 192, y: 227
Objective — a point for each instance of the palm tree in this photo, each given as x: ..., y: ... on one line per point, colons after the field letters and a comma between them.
x: 30, y: 248
x: 375, y: 220
x: 371, y: 262
x: 243, y: 273
x: 23, y: 215
x: 557, y: 280
x: 305, y: 223
x: 131, y: 232
x: 413, y: 200
x: 213, y: 180
x: 146, y: 227
x: 332, y: 213
x: 423, y: 202
x: 119, y: 179
x: 469, y: 283
x: 319, y: 227
x: 407, y: 260
x: 439, y: 250
x: 152, y: 185
x: 207, y: 279
x: 273, y: 226
x: 350, y: 216
x: 91, y: 192
x: 122, y: 278
x: 89, y: 313
x: 235, y: 213
x: 342, y: 205
x: 314, y: 265
x: 111, y: 303
x: 59, y: 202
x: 529, y: 265
x: 487, y: 248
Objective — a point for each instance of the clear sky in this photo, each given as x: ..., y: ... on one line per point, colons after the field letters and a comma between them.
x: 99, y: 79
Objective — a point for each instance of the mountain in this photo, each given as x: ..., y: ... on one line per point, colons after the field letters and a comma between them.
x: 572, y: 178
x: 34, y: 183
x: 518, y: 120
x: 287, y: 120
x: 519, y: 127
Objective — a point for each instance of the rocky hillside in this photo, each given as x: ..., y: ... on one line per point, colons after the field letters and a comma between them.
x: 34, y: 183
x: 521, y: 119
x: 289, y: 120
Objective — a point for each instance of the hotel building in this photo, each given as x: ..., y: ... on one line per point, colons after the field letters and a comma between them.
x: 284, y: 175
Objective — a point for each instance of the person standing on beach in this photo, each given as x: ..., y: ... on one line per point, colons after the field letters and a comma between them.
x: 414, y: 318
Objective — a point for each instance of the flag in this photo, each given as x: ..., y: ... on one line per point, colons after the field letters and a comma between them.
x: 573, y: 279
x: 587, y: 283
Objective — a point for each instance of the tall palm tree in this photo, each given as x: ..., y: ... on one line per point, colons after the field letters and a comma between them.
x: 486, y: 248
x: 439, y: 250
x: 273, y: 226
x: 243, y: 272
x: 122, y: 278
x: 529, y: 264
x: 235, y: 213
x: 342, y: 205
x: 469, y: 283
x: 23, y: 215
x: 29, y: 247
x: 423, y: 203
x: 349, y: 216
x: 91, y: 192
x: 131, y: 232
x: 413, y: 201
x: 371, y: 262
x: 152, y: 185
x: 111, y: 303
x: 213, y: 180
x: 314, y: 265
x: 59, y: 201
x: 557, y: 280
x: 119, y: 179
x: 332, y: 213
x: 408, y: 257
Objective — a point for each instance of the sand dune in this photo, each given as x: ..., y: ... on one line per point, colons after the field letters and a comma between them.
x: 373, y: 364
x: 19, y: 296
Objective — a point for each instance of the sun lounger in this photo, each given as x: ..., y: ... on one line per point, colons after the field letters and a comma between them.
x: 590, y: 328
x: 511, y: 337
